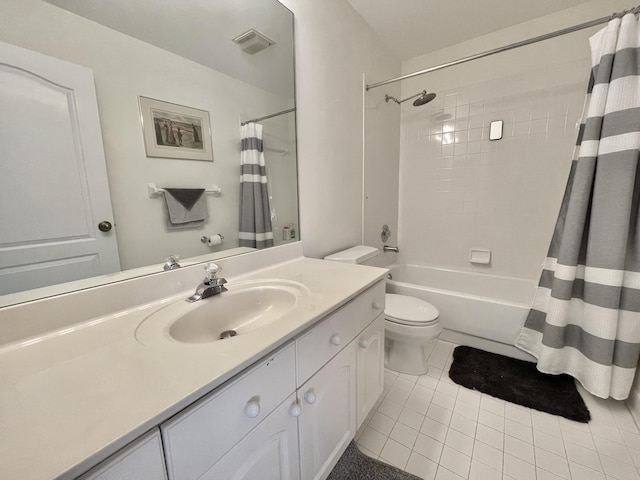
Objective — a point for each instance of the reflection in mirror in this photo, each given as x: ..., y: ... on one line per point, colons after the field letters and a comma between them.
x: 73, y: 152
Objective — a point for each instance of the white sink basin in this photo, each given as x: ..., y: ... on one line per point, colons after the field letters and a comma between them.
x: 245, y: 307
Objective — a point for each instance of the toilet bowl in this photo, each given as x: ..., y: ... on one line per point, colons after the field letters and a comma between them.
x: 412, y: 325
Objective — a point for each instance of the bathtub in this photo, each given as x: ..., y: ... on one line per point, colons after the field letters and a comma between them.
x: 476, y: 309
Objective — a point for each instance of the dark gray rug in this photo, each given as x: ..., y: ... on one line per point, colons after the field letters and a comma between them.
x: 355, y: 465
x: 518, y: 381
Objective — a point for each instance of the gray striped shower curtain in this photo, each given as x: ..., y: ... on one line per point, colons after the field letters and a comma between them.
x: 255, y: 213
x: 585, y: 318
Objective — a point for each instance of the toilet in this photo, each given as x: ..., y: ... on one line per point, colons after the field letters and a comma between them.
x: 412, y: 325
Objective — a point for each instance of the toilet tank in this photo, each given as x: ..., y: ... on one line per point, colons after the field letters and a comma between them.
x: 363, y: 255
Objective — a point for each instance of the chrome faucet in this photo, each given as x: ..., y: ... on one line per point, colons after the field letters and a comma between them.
x: 211, y: 285
x: 171, y: 263
x: 387, y: 248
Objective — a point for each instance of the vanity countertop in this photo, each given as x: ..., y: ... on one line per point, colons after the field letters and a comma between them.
x: 72, y: 397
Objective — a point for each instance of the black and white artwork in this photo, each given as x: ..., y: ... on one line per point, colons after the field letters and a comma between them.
x: 175, y: 131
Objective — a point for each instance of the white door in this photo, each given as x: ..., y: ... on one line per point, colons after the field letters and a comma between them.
x: 53, y: 180
x: 327, y: 422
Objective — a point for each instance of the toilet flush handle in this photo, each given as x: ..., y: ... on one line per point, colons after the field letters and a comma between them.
x: 377, y: 305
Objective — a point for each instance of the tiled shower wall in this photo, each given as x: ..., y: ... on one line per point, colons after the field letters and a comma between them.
x: 459, y: 190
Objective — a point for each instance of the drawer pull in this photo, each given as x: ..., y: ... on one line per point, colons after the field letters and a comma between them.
x: 310, y: 397
x: 295, y: 410
x: 335, y: 339
x: 364, y: 343
x: 377, y: 306
x: 252, y: 409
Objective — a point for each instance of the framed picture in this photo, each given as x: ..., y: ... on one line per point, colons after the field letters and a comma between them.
x: 175, y: 131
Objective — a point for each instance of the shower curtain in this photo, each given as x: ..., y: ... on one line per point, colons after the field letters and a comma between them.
x: 585, y: 318
x: 255, y: 214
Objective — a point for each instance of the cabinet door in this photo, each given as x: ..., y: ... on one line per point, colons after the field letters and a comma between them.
x: 197, y: 438
x: 270, y: 452
x: 370, y: 367
x: 327, y: 423
x: 141, y: 459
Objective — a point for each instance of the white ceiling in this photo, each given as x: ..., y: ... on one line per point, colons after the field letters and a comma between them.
x: 414, y: 27
x: 202, y: 31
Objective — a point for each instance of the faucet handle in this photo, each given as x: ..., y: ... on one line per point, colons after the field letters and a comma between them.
x: 211, y: 270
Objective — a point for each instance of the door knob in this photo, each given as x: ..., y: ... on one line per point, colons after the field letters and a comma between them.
x: 105, y: 226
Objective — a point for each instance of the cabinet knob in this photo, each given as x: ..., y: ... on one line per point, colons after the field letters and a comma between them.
x: 295, y: 410
x: 252, y: 409
x: 335, y: 339
x: 310, y: 397
x: 377, y: 306
x: 364, y: 343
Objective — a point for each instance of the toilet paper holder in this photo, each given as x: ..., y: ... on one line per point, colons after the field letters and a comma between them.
x: 205, y: 238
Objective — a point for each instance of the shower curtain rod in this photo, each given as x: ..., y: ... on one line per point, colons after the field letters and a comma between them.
x: 269, y: 116
x: 511, y: 46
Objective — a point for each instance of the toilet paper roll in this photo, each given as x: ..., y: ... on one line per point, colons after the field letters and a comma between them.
x: 214, y: 240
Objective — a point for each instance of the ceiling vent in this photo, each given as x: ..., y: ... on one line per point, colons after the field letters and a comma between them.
x: 253, y: 41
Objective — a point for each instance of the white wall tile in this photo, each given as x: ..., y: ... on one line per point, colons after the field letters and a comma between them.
x: 540, y: 107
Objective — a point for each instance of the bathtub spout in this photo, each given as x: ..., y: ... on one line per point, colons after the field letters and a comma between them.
x: 387, y: 248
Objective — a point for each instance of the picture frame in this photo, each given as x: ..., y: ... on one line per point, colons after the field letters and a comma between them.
x: 175, y: 131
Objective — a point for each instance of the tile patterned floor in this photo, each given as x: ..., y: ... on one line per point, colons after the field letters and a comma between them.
x: 437, y: 430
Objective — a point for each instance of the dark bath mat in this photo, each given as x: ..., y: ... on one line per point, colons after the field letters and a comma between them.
x: 355, y: 465
x: 517, y: 381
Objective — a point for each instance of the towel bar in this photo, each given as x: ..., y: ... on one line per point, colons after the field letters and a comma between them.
x: 153, y: 191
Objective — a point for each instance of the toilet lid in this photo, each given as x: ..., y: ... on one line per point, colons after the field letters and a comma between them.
x: 408, y: 310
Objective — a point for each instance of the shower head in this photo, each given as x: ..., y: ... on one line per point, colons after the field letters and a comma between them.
x: 423, y: 97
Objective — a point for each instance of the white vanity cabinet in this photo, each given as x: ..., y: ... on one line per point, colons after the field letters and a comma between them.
x: 369, y: 368
x: 291, y: 415
x: 270, y: 452
x: 328, y: 373
x: 197, y: 438
x: 141, y: 459
x: 327, y: 422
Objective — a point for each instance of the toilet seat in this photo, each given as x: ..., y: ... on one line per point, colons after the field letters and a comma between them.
x: 406, y: 310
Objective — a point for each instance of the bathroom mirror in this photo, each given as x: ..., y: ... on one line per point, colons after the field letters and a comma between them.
x: 183, y: 54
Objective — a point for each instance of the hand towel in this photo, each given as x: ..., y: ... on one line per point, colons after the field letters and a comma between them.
x: 186, y: 207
